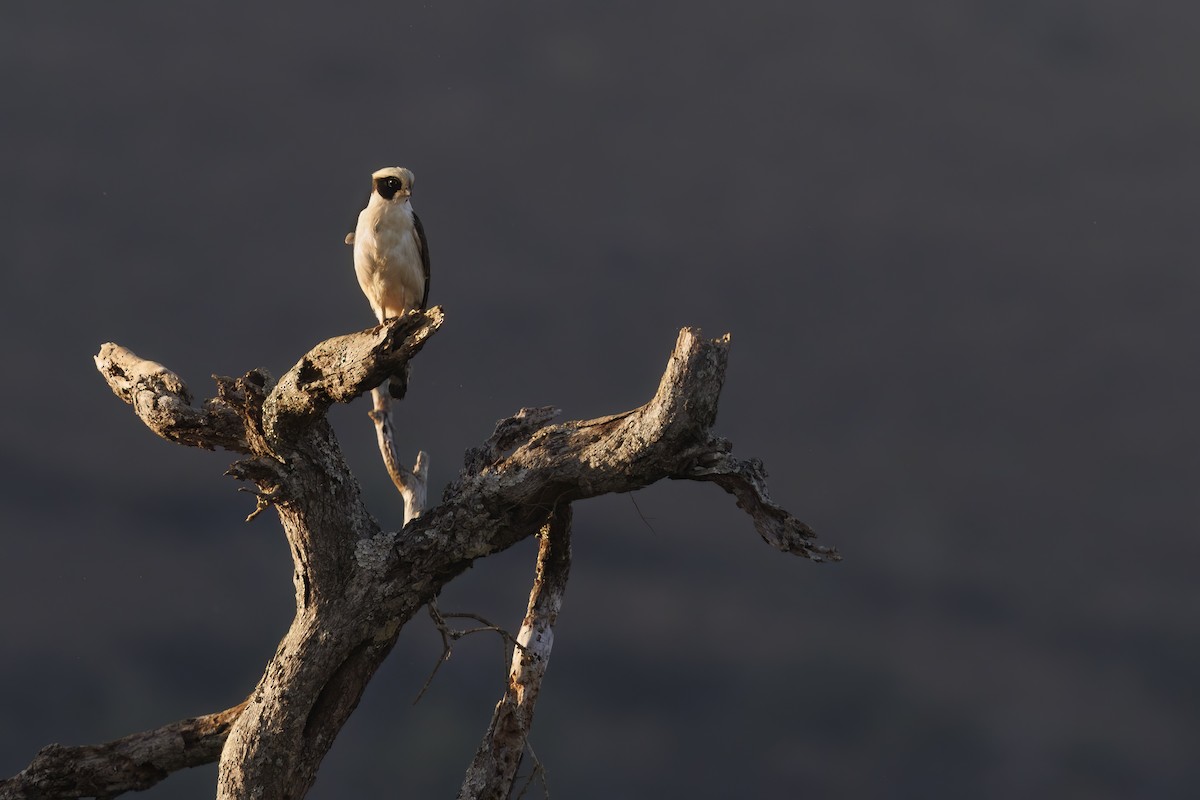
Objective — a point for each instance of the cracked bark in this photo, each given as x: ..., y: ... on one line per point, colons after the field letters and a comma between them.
x: 356, y: 585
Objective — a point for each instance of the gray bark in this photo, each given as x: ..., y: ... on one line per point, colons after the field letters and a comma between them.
x: 357, y: 585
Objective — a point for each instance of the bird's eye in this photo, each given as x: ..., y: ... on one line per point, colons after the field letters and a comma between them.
x: 388, y: 187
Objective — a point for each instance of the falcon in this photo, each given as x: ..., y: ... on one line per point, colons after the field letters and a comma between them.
x: 391, y: 254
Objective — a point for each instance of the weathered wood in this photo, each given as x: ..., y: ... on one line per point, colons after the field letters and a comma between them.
x: 490, y: 775
x: 343, y: 368
x: 747, y: 481
x: 356, y: 585
x: 131, y: 763
x: 162, y: 401
x: 509, y: 433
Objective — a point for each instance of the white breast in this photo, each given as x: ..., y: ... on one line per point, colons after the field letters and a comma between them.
x: 387, y: 258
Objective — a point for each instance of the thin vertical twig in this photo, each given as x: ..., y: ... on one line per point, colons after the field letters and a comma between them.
x: 410, y: 482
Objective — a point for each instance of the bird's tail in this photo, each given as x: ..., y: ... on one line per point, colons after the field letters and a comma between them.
x: 397, y: 385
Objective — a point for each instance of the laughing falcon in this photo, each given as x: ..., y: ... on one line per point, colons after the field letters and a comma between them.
x: 391, y: 254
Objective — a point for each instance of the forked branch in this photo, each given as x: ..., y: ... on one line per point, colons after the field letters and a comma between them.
x: 356, y: 585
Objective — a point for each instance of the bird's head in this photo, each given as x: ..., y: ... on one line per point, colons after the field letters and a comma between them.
x: 393, y: 184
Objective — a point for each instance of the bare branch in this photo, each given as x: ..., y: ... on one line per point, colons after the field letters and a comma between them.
x: 133, y: 763
x: 668, y: 437
x: 411, y: 483
x: 344, y: 367
x: 491, y: 774
x: 747, y: 481
x: 161, y: 399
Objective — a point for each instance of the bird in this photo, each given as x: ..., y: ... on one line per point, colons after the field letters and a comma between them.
x: 391, y: 253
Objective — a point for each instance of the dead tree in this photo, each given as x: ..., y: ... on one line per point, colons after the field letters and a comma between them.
x: 357, y: 585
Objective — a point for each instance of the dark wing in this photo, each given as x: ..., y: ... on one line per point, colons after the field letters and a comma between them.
x: 424, y: 245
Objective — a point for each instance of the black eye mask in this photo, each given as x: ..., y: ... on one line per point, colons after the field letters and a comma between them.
x: 387, y: 187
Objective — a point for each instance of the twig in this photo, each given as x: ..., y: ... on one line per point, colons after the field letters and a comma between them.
x: 638, y: 508
x: 451, y: 635
x: 411, y: 483
x: 538, y: 769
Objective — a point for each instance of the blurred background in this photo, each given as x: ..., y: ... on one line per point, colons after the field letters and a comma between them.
x: 955, y: 245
